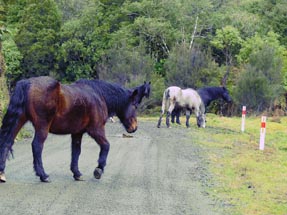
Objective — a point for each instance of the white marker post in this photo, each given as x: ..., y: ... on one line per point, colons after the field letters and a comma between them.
x: 262, y: 132
x: 243, y: 118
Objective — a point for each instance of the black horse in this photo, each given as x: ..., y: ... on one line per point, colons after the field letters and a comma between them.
x: 78, y: 108
x: 207, y: 94
x: 143, y: 91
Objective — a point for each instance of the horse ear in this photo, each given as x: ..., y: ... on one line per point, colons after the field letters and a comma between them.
x: 144, y: 82
x: 149, y: 83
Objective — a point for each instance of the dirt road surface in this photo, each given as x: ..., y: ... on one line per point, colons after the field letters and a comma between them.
x: 157, y: 171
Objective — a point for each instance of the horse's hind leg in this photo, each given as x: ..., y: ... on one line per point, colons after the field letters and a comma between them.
x: 76, y: 151
x: 37, y: 148
x: 170, y: 109
x: 159, y: 120
x: 4, y: 150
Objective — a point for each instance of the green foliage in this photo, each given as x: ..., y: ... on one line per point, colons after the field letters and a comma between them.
x: 157, y: 88
x: 13, y: 59
x: 83, y: 41
x: 127, y: 67
x: 227, y: 40
x: 256, y: 43
x: 191, y: 68
x: 261, y: 83
x: 187, y: 43
x: 37, y: 37
x: 272, y: 14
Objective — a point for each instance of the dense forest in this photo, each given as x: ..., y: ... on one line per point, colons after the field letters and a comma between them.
x: 240, y: 44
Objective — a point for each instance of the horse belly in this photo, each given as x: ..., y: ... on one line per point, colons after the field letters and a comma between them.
x: 69, y: 124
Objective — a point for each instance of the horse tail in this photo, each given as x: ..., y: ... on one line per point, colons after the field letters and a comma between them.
x: 16, y: 108
x: 165, y: 99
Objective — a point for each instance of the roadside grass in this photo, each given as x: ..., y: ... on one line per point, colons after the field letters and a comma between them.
x: 247, y: 180
x: 251, y: 180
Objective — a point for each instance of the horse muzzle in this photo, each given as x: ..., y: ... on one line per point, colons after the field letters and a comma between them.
x: 133, y: 125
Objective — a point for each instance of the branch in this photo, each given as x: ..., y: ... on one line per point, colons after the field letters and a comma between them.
x: 194, y: 32
x: 165, y: 46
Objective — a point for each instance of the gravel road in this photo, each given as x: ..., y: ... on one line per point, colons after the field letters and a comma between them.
x: 157, y: 171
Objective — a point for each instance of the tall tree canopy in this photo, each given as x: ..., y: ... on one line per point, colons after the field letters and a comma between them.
x: 187, y: 43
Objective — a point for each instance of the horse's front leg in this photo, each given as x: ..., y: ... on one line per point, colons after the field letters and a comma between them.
x: 37, y: 148
x: 76, y: 151
x: 99, y: 136
x: 187, y: 113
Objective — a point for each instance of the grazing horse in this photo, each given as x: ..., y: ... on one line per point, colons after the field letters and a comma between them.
x: 207, y: 94
x: 78, y: 108
x: 187, y: 98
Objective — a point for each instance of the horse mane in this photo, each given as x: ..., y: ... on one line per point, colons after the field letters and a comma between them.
x: 115, y: 96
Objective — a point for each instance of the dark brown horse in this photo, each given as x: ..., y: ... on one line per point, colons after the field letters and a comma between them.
x: 82, y: 107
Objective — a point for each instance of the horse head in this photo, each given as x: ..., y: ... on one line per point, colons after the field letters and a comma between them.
x: 146, y: 91
x: 128, y: 118
x: 200, y: 120
x: 226, y: 96
x: 143, y: 91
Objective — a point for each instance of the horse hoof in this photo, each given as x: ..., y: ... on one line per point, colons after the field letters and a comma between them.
x: 2, y: 177
x: 45, y: 179
x: 79, y: 178
x: 98, y: 173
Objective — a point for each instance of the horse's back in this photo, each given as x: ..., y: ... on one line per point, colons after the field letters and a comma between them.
x: 43, y: 95
x: 64, y: 108
x: 173, y: 92
x: 191, y: 98
x: 78, y: 108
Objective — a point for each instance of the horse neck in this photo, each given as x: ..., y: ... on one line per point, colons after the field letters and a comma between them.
x: 141, y: 93
x: 208, y: 95
x: 114, y: 97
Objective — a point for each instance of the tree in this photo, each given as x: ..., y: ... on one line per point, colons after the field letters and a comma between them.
x: 191, y: 68
x: 83, y: 42
x: 227, y: 40
x: 126, y: 67
x: 38, y: 36
x: 261, y: 83
x: 272, y: 15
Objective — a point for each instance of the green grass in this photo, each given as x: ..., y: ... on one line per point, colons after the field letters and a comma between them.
x: 251, y: 180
